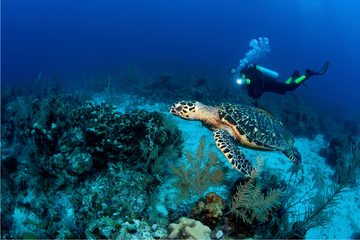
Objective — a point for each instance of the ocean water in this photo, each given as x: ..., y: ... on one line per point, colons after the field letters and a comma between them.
x: 90, y: 150
x: 73, y: 39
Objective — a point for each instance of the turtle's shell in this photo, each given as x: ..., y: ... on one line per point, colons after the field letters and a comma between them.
x: 258, y: 126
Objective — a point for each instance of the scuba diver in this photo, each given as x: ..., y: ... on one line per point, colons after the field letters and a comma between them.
x: 257, y: 80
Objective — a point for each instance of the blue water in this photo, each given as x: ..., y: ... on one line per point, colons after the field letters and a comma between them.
x: 74, y: 42
x: 77, y: 38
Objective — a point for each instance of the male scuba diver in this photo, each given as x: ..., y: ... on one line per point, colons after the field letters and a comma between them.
x: 257, y: 79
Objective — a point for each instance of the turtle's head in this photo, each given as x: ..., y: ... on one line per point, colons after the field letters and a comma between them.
x: 189, y: 110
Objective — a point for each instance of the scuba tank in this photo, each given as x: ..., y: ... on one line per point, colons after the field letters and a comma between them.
x: 268, y: 72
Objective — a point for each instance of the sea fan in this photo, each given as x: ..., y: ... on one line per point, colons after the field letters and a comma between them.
x: 249, y: 203
x: 200, y: 172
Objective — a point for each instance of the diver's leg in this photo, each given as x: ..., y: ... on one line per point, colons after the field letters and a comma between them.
x: 276, y: 87
x: 296, y: 78
x: 295, y: 75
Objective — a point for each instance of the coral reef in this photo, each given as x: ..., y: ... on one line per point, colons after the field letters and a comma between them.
x: 76, y: 169
x: 86, y: 171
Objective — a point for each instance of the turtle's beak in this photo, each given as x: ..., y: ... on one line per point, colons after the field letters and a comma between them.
x: 176, y: 109
x: 173, y: 110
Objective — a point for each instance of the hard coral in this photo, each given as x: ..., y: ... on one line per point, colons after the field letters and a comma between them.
x: 189, y: 229
x: 110, y: 135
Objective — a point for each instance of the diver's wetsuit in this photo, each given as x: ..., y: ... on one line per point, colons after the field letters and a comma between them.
x: 260, y: 83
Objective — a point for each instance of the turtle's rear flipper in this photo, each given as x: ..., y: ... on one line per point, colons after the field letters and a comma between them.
x: 293, y: 154
x: 225, y: 142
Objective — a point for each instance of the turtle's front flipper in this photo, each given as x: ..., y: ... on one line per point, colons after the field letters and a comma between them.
x: 225, y: 142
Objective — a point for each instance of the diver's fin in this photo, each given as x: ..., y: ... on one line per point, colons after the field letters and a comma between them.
x: 310, y: 73
x: 295, y: 74
x: 324, y: 68
x: 322, y: 71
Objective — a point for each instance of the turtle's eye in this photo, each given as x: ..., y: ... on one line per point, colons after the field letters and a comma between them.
x: 179, y: 108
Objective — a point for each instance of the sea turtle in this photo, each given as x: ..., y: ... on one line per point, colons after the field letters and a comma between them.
x: 242, y: 125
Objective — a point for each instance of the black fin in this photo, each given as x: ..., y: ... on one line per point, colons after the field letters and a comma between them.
x: 295, y: 74
x: 309, y: 73
x: 324, y: 68
x: 322, y: 71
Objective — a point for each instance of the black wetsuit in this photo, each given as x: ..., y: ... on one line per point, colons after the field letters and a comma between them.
x: 260, y: 83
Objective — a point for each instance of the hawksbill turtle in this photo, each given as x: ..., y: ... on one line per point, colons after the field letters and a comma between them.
x: 242, y: 125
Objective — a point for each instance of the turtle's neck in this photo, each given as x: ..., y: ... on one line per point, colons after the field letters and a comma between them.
x: 208, y: 115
